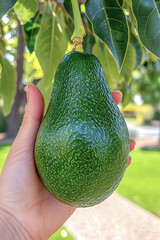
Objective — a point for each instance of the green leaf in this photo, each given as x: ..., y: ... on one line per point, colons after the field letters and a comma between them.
x: 113, y: 77
x: 45, y: 92
x: 136, y: 44
x: 127, y: 94
x: 109, y: 24
x: 148, y: 24
x: 5, y: 6
x: 138, y: 49
x: 88, y: 42
x: 7, y: 85
x: 51, y: 42
x: 157, y: 2
x: 68, y: 7
x: 129, y: 64
x: 128, y: 2
x: 31, y: 29
x: 26, y: 9
x: 120, y: 2
x: 108, y: 64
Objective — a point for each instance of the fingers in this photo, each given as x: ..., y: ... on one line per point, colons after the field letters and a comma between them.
x: 32, y: 117
x: 117, y: 96
x: 129, y: 161
x: 132, y: 147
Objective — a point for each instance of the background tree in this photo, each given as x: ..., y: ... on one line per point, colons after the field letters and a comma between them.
x: 35, y: 35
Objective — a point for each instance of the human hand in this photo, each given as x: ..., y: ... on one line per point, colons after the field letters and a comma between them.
x: 34, y: 213
x: 117, y: 96
x: 29, y: 211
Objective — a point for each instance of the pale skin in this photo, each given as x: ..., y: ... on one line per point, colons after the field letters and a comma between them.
x: 27, y: 209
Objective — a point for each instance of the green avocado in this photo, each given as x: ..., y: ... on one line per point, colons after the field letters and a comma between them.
x: 82, y: 146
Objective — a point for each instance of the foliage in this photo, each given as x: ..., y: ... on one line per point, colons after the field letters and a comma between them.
x: 123, y: 34
x: 3, y: 122
x: 7, y: 84
x: 142, y: 181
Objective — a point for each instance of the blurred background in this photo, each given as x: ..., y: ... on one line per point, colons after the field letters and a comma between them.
x: 141, y: 109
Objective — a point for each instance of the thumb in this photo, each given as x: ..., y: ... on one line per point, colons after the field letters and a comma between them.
x: 32, y: 118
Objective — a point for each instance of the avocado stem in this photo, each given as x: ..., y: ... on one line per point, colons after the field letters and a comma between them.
x: 79, y: 31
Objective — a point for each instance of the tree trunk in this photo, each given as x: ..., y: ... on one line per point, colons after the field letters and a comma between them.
x: 14, y: 117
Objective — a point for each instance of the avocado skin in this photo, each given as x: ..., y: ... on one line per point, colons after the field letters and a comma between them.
x: 82, y: 146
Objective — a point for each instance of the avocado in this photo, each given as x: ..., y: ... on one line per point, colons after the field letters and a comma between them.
x: 82, y: 146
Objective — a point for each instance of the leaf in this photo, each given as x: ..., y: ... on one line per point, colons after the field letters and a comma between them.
x: 68, y: 7
x: 157, y: 2
x: 120, y: 2
x: 138, y: 49
x: 108, y: 64
x: 109, y: 24
x: 32, y: 68
x: 88, y: 42
x: 127, y: 94
x: 128, y: 2
x: 113, y: 77
x: 31, y: 29
x: 7, y: 85
x: 129, y: 64
x: 25, y: 9
x: 45, y: 92
x: 148, y: 24
x: 51, y: 42
x: 136, y: 44
x: 5, y: 6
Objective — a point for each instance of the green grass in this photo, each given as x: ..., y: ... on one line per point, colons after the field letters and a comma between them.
x: 4, y: 149
x: 62, y: 233
x: 141, y: 183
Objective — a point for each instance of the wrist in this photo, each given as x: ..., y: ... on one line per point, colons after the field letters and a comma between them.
x: 10, y: 228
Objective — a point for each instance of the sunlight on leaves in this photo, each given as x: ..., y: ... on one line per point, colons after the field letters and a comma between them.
x: 7, y: 85
x: 51, y: 42
x: 25, y: 9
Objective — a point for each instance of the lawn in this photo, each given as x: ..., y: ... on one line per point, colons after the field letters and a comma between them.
x: 141, y: 183
x: 62, y: 234
x: 4, y: 149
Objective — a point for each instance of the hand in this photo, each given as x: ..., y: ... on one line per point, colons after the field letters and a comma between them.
x: 23, y: 198
x: 26, y: 206
x: 117, y: 96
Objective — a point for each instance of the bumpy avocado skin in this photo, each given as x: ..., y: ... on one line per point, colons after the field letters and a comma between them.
x: 82, y: 146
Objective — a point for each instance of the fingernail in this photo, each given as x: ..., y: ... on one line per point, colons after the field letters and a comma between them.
x: 119, y: 92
